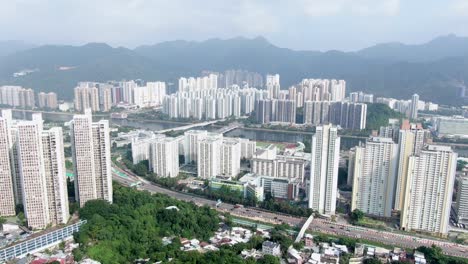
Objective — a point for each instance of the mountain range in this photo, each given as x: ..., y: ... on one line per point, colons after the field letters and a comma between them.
x: 436, y: 70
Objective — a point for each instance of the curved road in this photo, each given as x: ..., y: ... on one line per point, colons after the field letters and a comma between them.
x: 317, y: 225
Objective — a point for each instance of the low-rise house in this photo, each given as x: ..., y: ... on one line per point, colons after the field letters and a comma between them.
x: 271, y: 248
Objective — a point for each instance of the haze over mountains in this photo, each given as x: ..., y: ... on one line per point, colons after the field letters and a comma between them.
x: 435, y: 69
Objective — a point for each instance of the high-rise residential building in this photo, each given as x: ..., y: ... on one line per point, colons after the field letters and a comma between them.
x: 241, y: 78
x: 192, y: 137
x: 91, y: 158
x: 27, y: 99
x: 41, y: 100
x: 462, y: 201
x: 411, y: 139
x: 375, y: 170
x: 105, y: 98
x: 32, y: 173
x: 150, y: 95
x: 406, y: 140
x: 267, y: 111
x: 55, y: 175
x: 13, y: 146
x: 361, y: 97
x: 86, y: 97
x: 17, y: 96
x: 428, y: 196
x: 164, y: 157
x: 117, y: 94
x: 7, y: 203
x: 322, y: 90
x: 47, y: 100
x: 324, y: 170
x: 413, y: 113
x: 208, y: 160
x: 127, y: 91
x: 52, y: 101
x: 273, y: 86
x: 345, y: 114
x: 248, y: 148
x: 37, y: 170
x: 230, y: 156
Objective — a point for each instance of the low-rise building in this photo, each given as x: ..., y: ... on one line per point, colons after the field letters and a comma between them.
x: 271, y: 248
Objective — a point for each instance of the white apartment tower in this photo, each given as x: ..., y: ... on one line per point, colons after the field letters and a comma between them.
x: 414, y: 107
x: 273, y: 86
x: 32, y: 173
x: 410, y: 142
x: 164, y: 157
x: 375, y: 168
x: 208, y: 162
x: 324, y: 170
x: 55, y: 175
x: 462, y: 200
x: 36, y: 162
x: 192, y: 137
x: 7, y: 202
x: 428, y: 196
x: 230, y: 158
x: 13, y: 146
x: 86, y: 97
x: 91, y: 158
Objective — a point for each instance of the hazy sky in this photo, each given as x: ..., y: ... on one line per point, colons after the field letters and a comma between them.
x: 297, y: 24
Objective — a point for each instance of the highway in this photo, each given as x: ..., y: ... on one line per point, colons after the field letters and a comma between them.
x: 317, y: 225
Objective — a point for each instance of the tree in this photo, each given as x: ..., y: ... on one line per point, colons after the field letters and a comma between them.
x: 269, y: 259
x: 433, y: 254
x: 461, y: 164
x: 356, y: 215
x: 141, y: 168
x: 378, y: 115
x: 68, y: 165
x: 372, y: 261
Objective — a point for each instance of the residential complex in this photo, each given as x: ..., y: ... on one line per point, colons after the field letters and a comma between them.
x: 208, y: 159
x: 86, y: 97
x: 374, y: 175
x: 47, y: 100
x: 361, y: 97
x: 164, y: 157
x: 324, y: 170
x: 428, y: 195
x: 344, y: 114
x: 33, y: 171
x: 462, y: 201
x: 91, y: 158
x: 411, y: 140
x: 275, y: 110
x: 17, y: 96
x: 266, y: 162
x: 7, y: 203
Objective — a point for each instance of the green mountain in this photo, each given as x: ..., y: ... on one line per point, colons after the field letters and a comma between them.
x: 11, y: 46
x: 436, y: 49
x: 435, y: 70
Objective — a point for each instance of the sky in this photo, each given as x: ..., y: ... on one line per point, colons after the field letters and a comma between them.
x: 297, y: 24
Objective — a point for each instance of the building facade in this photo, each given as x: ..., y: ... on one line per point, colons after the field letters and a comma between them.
x: 428, y: 196
x: 375, y: 170
x: 91, y: 158
x: 324, y: 170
